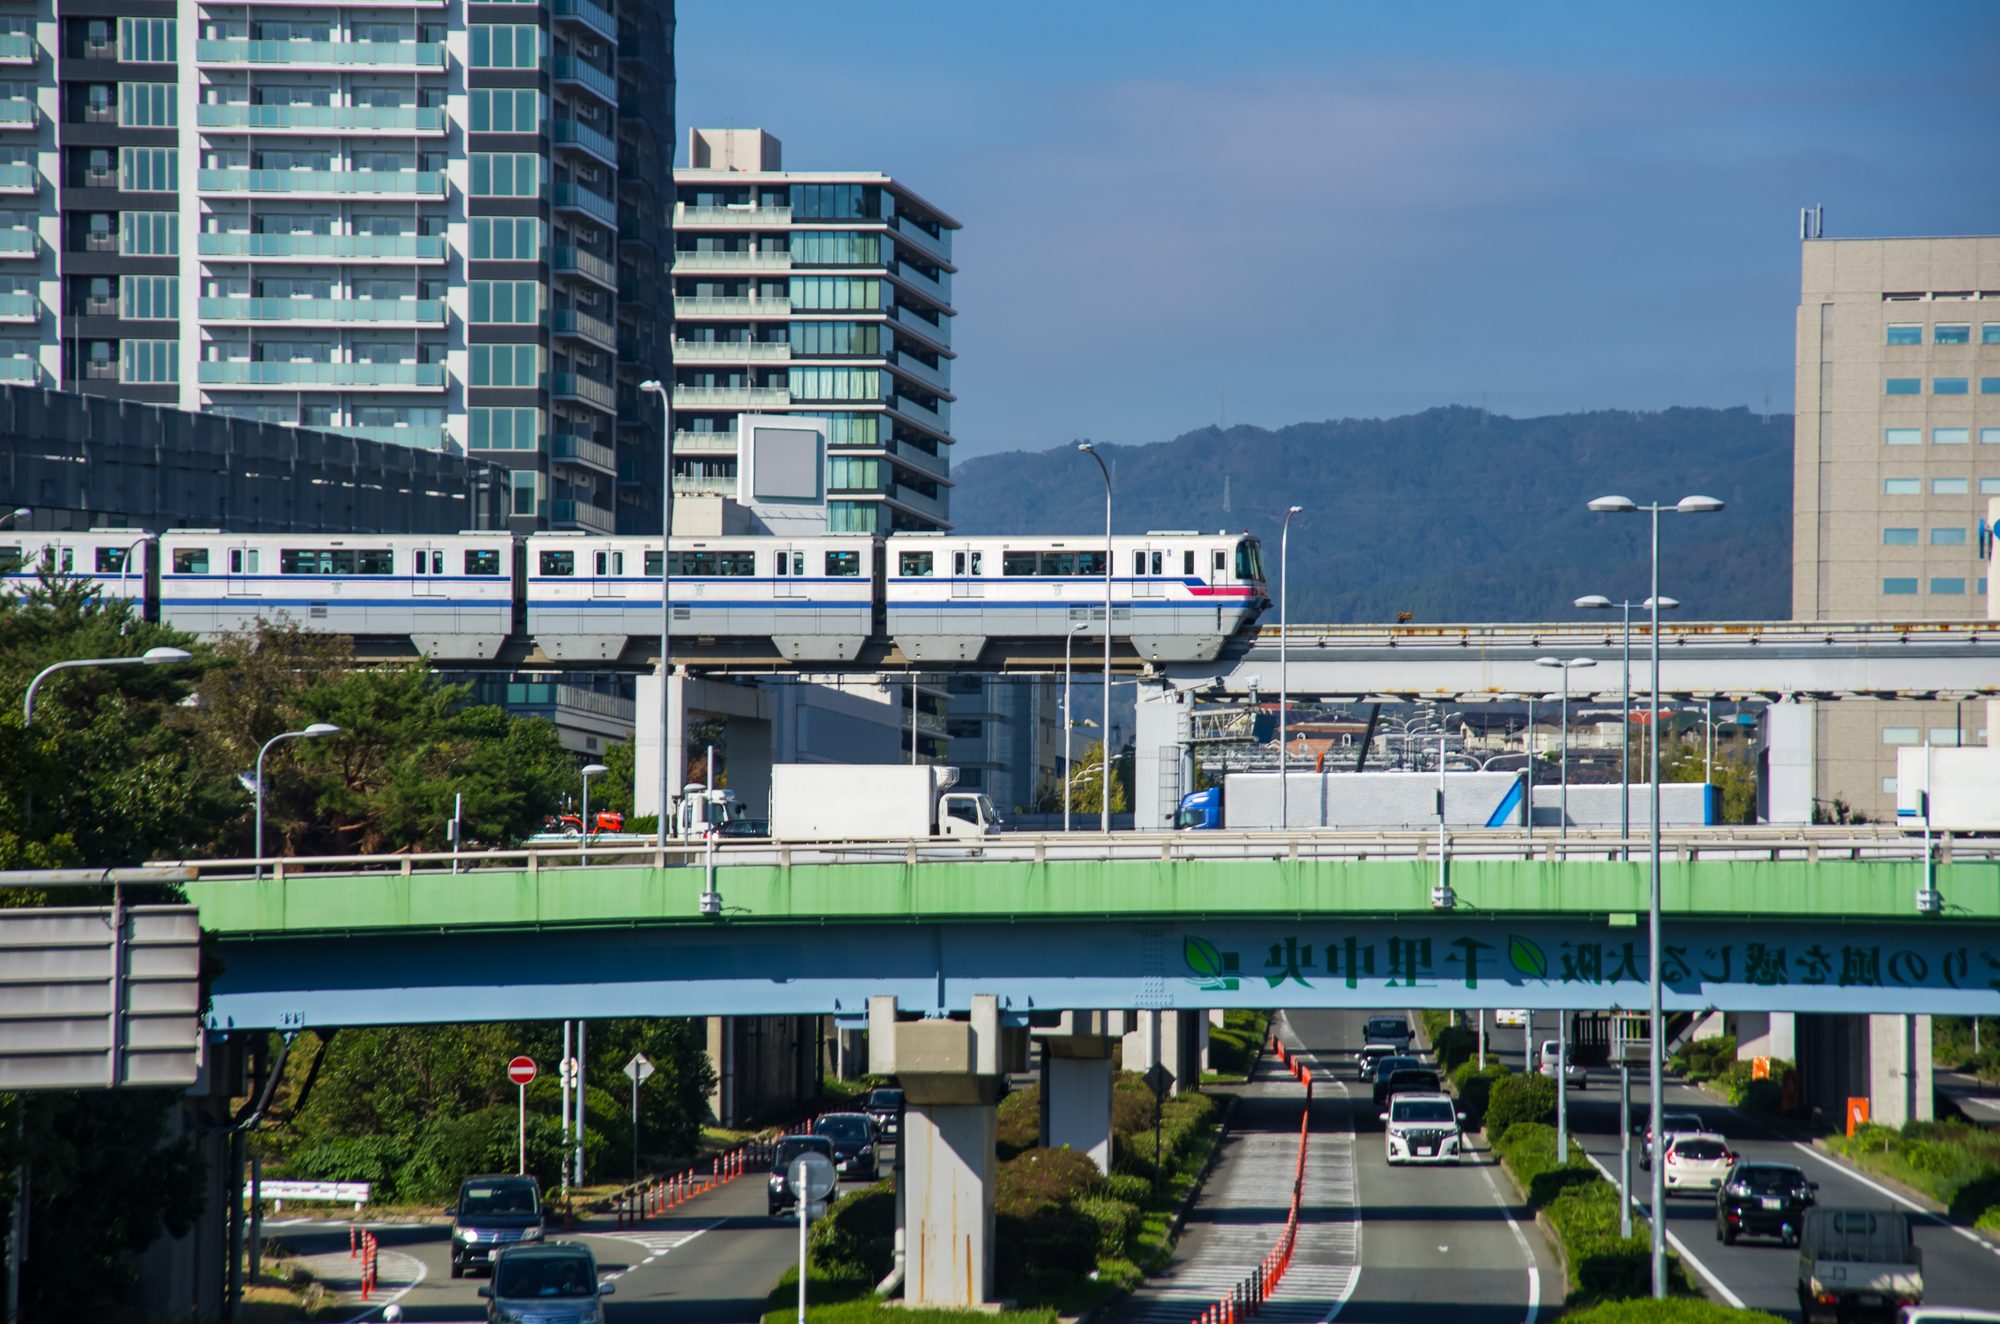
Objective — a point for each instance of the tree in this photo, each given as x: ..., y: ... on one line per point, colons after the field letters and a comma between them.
x: 1087, y: 782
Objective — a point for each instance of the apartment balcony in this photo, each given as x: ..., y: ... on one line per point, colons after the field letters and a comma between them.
x: 938, y: 419
x: 929, y: 507
x: 20, y: 370
x: 922, y: 373
x: 421, y: 439
x: 18, y: 48
x: 933, y: 466
x: 570, y: 133
x: 704, y: 443
x: 20, y: 308
x: 937, y: 291
x: 26, y: 244
x: 716, y: 309
x: 584, y: 453
x: 686, y: 262
x: 88, y: 307
x: 570, y: 322
x: 574, y: 197
x: 731, y: 397
x: 323, y: 119
x: 937, y: 334
x: 93, y: 179
x: 409, y: 55
x: 359, y: 4
x: 588, y: 390
x: 569, y: 69
x: 688, y: 485
x: 381, y: 376
x: 921, y: 240
x: 20, y: 179
x: 581, y: 515
x: 325, y: 312
x: 589, y: 15
x: 731, y: 351
x: 324, y: 183
x: 325, y: 247
x: 583, y: 262
x: 19, y: 115
x: 731, y: 218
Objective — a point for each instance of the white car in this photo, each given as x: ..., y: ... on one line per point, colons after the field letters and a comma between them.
x: 1696, y: 1163
x: 1946, y: 1315
x: 1574, y: 1074
x: 1423, y: 1128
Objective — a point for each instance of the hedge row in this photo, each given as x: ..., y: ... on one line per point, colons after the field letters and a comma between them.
x: 1581, y: 1208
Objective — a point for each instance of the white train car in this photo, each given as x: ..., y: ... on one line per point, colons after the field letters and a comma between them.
x: 812, y: 597
x: 120, y: 563
x: 451, y: 594
x: 1176, y: 594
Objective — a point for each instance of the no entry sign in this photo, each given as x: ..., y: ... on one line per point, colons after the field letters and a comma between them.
x: 521, y: 1070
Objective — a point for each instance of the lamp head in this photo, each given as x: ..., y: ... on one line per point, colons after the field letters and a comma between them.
x: 653, y: 386
x: 1697, y: 505
x: 155, y: 657
x: 1548, y: 661
x: 1664, y: 603
x: 23, y: 512
x: 1295, y: 510
x: 1086, y: 446
x: 593, y: 769
x: 1581, y: 662
x: 318, y: 729
x: 1614, y: 505
x: 1593, y: 601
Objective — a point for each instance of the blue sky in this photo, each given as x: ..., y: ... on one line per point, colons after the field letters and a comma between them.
x: 1356, y: 210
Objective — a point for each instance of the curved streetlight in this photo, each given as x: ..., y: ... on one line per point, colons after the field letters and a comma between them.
x: 1566, y: 665
x: 152, y: 657
x: 313, y: 732
x: 1598, y: 602
x: 655, y: 387
x: 1284, y: 803
x: 1069, y: 720
x: 1691, y: 505
x: 18, y: 513
x: 594, y: 770
x: 1104, y: 818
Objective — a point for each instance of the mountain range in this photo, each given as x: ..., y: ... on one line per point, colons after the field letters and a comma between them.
x: 1452, y: 514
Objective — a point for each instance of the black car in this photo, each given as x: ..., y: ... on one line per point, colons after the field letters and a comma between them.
x: 493, y: 1212
x: 1370, y: 1055
x: 853, y: 1137
x: 885, y: 1106
x: 1763, y: 1200
x: 787, y: 1153
x: 1388, y: 1066
x: 1406, y: 1080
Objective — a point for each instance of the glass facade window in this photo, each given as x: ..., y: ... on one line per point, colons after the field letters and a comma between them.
x: 1908, y: 333
x: 1955, y: 334
x: 150, y: 362
x: 505, y: 110
x: 506, y: 301
x: 506, y: 238
x: 505, y: 45
x: 837, y: 202
x: 843, y: 429
x: 836, y: 248
x: 1947, y: 487
x: 1950, y: 386
x: 149, y: 169
x: 1989, y: 487
x: 836, y: 338
x: 149, y: 234
x: 527, y: 491
x: 1948, y: 587
x: 856, y: 517
x: 1905, y: 386
x: 835, y: 383
x: 1989, y: 385
x: 1989, y: 333
x: 1897, y: 537
x: 506, y: 175
x: 835, y: 293
x: 1888, y: 786
x: 148, y: 105
x: 150, y: 298
x: 1898, y: 587
x: 506, y: 365
x: 854, y: 475
x: 1902, y: 436
x: 1902, y: 487
x: 506, y: 430
x: 1949, y: 436
x: 1989, y: 436
x: 1948, y: 537
x: 147, y: 40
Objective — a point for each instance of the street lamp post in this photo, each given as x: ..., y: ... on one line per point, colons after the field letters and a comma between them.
x: 18, y: 513
x: 313, y: 732
x: 655, y: 387
x: 152, y: 657
x: 1566, y: 665
x: 1598, y: 602
x: 1069, y: 722
x: 1284, y: 804
x: 1104, y: 735
x: 591, y: 770
x: 1692, y: 505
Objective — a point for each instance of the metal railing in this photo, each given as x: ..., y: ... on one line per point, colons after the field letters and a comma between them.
x: 776, y: 218
x: 414, y: 311
x: 589, y: 15
x: 572, y: 133
x: 580, y: 387
x: 240, y: 115
x: 582, y: 199
x: 582, y: 450
x: 569, y: 69
x: 741, y: 397
x: 377, y: 54
x: 731, y: 351
x: 582, y: 514
x: 567, y: 257
x: 692, y: 260
x: 939, y: 334
x: 410, y: 183
x: 419, y: 248
x: 731, y: 307
x: 245, y: 372
x: 572, y: 322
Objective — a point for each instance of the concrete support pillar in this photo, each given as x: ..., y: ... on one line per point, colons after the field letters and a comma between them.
x: 722, y: 1058
x: 1156, y: 768
x: 1766, y: 1034
x: 1180, y: 1047
x: 1785, y: 785
x: 1077, y: 1106
x: 1899, y: 1070
x: 1142, y: 1040
x: 1710, y: 1025
x: 647, y: 728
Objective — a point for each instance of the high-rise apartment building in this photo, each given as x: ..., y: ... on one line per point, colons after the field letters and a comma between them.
x: 818, y: 293
x: 430, y: 223
x: 1897, y: 453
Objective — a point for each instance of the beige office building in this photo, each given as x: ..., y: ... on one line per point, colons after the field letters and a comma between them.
x: 1896, y: 456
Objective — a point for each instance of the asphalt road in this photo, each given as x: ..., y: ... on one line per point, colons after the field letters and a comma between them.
x: 1436, y: 1242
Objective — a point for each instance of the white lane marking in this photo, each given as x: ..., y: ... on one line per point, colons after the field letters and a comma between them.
x: 659, y: 1242
x: 1520, y: 1239
x: 379, y: 1306
x: 1353, y: 1178
x: 1679, y: 1245
x: 1846, y: 1171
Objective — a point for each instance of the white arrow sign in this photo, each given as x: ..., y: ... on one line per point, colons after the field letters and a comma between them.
x: 638, y: 1068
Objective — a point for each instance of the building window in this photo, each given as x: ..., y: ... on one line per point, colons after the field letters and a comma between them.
x: 506, y: 175
x: 508, y: 301
x: 506, y: 238
x: 149, y: 169
x: 1905, y: 386
x: 1899, y: 537
x: 1949, y: 385
x: 1888, y: 786
x: 505, y: 45
x: 149, y: 234
x: 150, y: 298
x: 1989, y: 436
x: 1944, y: 735
x: 836, y: 202
x: 835, y: 383
x: 506, y: 111
x: 844, y: 429
x: 1899, y: 735
x: 506, y: 365
x: 1902, y: 436
x: 506, y: 430
x: 1989, y: 487
x: 836, y: 338
x: 148, y: 105
x: 150, y: 362
x: 1897, y: 587
x: 835, y: 293
x: 1989, y: 385
x: 836, y: 248
x: 850, y: 475
x: 1949, y: 436
x: 1954, y: 587
x: 527, y: 492
x: 1957, y: 333
x: 1906, y: 333
x: 1902, y: 486
x: 1989, y: 333
x: 1947, y: 537
x: 146, y: 40
x: 856, y: 517
x: 1947, y: 487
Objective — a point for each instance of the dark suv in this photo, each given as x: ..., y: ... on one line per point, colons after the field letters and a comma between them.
x: 1763, y: 1200
x: 1409, y: 1080
x: 853, y: 1137
x: 787, y: 1153
x: 1385, y: 1067
x: 886, y: 1107
x: 493, y: 1211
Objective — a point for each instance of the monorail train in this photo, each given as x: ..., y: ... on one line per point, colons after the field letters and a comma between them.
x: 457, y: 597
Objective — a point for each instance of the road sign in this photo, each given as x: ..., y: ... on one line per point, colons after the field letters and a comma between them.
x: 521, y: 1070
x: 639, y: 1068
x: 817, y: 1174
x: 1158, y: 1079
x: 568, y: 1072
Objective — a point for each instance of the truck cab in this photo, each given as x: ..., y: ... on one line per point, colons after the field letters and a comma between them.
x: 1200, y: 811
x: 966, y: 814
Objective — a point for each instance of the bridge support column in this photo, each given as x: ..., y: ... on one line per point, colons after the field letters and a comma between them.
x: 1077, y: 1077
x: 1157, y: 783
x: 1766, y: 1034
x: 1899, y: 1070
x: 950, y: 1072
x: 1167, y: 1036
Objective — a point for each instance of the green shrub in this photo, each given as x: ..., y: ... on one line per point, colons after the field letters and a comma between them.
x: 1764, y: 1096
x: 1233, y: 1045
x: 1129, y: 1187
x: 1705, y: 1059
x: 1978, y: 1200
x: 857, y: 1238
x: 1018, y: 1122
x: 1529, y: 1151
x: 1519, y: 1099
x: 1603, y: 1265
x: 1453, y: 1046
x: 1045, y: 1251
x: 1038, y: 1177
x: 1474, y: 1087
x: 1948, y: 1161
x: 1117, y: 1223
x: 1674, y: 1310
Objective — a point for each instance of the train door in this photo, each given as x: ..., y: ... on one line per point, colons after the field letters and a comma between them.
x: 244, y: 566
x: 427, y: 572
x: 788, y: 569
x: 967, y: 566
x: 608, y: 577
x: 1149, y: 564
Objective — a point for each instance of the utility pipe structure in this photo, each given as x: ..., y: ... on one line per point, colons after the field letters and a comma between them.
x: 655, y: 387
x: 1284, y: 800
x: 1691, y: 505
x: 1598, y: 602
x: 1562, y: 827
x: 1104, y: 736
x: 313, y: 732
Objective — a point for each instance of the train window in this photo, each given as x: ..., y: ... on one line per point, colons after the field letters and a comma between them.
x: 558, y: 563
x: 743, y: 564
x: 652, y: 565
x: 843, y: 563
x: 335, y: 561
x: 694, y: 565
x: 1187, y: 563
x: 916, y: 564
x: 111, y: 560
x: 236, y: 559
x: 1156, y: 562
x: 1091, y: 563
x: 611, y: 563
x: 975, y: 562
x: 482, y: 563
x: 798, y: 563
x: 10, y: 560
x: 1017, y: 563
x: 68, y: 558
x: 1138, y: 563
x: 437, y: 563
x: 1249, y: 561
x: 1221, y: 562
x: 782, y: 562
x: 1058, y: 563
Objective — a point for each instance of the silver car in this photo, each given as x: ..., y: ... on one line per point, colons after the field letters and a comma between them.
x: 554, y: 1283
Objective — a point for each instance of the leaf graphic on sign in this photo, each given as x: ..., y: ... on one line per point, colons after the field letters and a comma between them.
x: 1527, y: 957
x: 1202, y: 958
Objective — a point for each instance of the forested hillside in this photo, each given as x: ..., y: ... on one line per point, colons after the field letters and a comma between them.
x: 1448, y: 515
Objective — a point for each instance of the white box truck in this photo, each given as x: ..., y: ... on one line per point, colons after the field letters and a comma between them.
x: 874, y: 802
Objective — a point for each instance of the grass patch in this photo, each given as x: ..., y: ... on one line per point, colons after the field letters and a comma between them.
x: 1955, y: 1164
x: 1674, y: 1310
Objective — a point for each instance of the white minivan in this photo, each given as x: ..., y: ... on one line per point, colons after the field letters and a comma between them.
x: 1577, y: 1076
x: 1423, y: 1128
